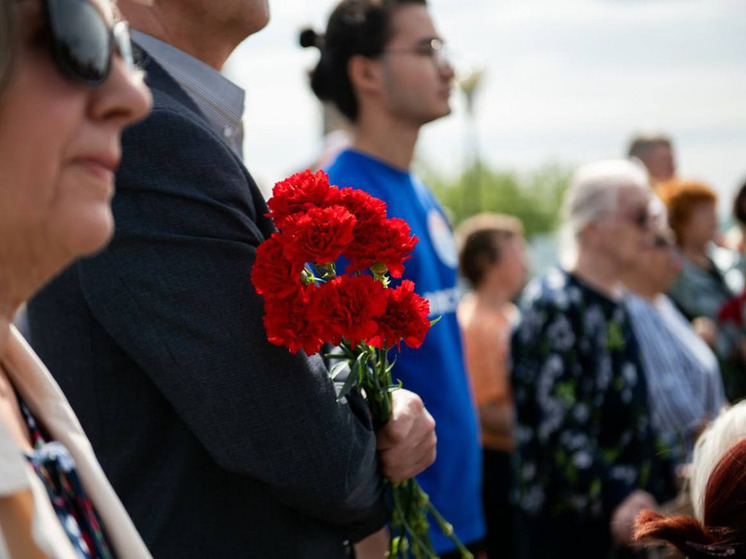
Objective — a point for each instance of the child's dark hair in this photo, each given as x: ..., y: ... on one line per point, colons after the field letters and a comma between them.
x: 356, y: 27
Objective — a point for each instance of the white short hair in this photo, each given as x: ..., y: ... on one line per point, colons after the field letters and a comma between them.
x: 721, y: 435
x: 594, y: 193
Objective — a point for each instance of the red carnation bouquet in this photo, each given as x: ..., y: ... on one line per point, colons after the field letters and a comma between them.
x: 308, y: 303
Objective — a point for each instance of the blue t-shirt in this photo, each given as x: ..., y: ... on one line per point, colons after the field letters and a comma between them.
x: 435, y: 371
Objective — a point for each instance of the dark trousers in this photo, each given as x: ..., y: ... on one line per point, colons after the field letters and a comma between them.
x: 498, y: 512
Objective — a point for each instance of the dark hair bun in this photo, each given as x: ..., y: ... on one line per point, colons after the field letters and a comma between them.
x: 309, y: 38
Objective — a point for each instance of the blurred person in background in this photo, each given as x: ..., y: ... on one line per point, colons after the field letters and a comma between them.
x: 67, y: 89
x: 704, y: 286
x: 493, y: 259
x: 736, y: 235
x: 383, y: 65
x: 683, y: 378
x: 586, y: 453
x: 655, y: 151
x: 718, y: 479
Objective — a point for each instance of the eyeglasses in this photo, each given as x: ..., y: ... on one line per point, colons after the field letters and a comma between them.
x: 83, y: 43
x: 640, y: 219
x: 434, y: 49
x: 662, y: 241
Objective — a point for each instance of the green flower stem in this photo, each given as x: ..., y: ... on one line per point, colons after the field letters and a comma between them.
x: 447, y: 529
x: 408, y: 530
x: 409, y: 524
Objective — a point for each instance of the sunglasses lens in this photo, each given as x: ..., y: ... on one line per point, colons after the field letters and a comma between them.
x: 81, y: 40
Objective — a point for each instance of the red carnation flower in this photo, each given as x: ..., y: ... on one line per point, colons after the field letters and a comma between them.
x: 320, y: 235
x: 732, y: 310
x: 347, y: 306
x: 298, y: 194
x: 367, y: 209
x: 274, y: 275
x: 388, y: 243
x: 405, y: 318
x: 288, y: 322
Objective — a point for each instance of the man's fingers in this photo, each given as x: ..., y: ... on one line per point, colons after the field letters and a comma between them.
x: 407, y: 443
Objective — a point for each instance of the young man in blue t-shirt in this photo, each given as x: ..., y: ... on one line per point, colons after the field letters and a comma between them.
x: 382, y: 65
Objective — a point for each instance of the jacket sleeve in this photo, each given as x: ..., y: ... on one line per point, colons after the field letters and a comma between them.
x: 189, y: 220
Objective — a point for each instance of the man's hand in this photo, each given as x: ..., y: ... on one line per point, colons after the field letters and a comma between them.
x: 623, y: 519
x: 406, y: 444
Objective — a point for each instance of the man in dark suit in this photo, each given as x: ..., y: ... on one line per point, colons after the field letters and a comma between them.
x: 220, y: 444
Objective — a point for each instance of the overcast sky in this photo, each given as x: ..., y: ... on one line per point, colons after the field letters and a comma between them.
x: 565, y: 81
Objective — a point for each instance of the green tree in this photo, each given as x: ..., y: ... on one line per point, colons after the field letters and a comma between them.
x: 534, y: 197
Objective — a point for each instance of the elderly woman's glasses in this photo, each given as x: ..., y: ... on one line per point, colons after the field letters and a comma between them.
x: 83, y: 43
x: 663, y: 242
x: 641, y: 218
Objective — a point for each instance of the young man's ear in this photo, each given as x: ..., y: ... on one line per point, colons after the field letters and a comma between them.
x: 364, y: 73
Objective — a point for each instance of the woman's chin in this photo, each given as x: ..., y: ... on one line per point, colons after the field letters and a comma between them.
x: 90, y: 236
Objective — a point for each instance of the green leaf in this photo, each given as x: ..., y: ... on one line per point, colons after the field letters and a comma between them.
x: 395, y: 387
x: 391, y: 365
x: 337, y: 369
x: 355, y: 375
x: 434, y: 321
x: 347, y: 386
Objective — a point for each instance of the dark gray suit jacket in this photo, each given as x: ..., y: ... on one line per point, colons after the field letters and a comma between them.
x: 220, y: 444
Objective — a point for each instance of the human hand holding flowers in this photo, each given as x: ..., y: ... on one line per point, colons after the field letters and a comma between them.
x: 406, y: 444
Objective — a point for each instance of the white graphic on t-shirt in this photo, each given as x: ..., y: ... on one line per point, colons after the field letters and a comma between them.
x: 442, y: 238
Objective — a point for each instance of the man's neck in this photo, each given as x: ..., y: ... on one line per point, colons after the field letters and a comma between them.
x: 386, y: 139
x: 599, y: 273
x: 494, y: 299
x: 212, y: 48
x: 639, y: 286
x: 697, y: 254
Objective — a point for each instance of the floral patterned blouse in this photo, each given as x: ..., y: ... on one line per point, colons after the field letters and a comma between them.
x: 584, y: 439
x: 55, y: 467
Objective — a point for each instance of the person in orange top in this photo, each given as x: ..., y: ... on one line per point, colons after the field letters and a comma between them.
x: 493, y: 260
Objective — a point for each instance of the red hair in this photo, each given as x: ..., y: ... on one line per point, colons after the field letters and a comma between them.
x: 680, y: 198
x: 723, y: 530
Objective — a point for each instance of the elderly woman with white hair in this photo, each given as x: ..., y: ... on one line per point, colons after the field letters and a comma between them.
x: 587, y: 459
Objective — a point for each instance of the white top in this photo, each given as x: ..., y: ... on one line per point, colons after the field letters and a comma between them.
x: 44, y: 398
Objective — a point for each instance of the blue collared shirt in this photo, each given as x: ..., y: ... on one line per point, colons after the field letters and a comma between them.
x: 220, y: 100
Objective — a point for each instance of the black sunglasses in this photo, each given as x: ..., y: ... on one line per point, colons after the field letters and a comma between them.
x: 661, y: 241
x: 83, y: 43
x: 641, y: 218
